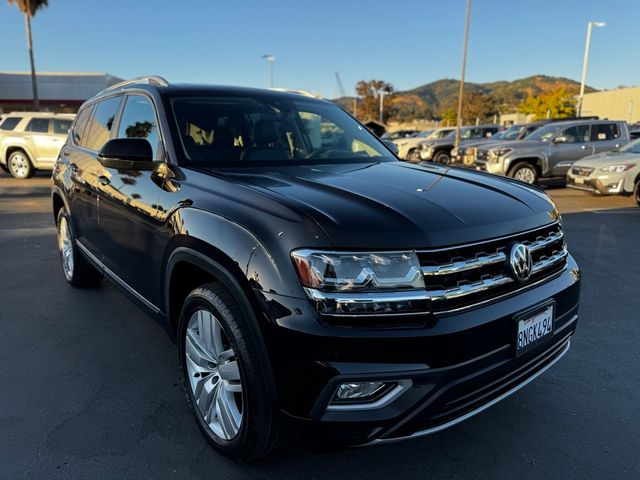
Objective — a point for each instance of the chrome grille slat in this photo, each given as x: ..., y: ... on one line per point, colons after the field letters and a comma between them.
x: 544, y: 241
x: 468, y: 289
x: 464, y: 265
x: 550, y: 261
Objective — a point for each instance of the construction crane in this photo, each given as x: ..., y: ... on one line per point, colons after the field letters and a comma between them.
x: 340, y: 86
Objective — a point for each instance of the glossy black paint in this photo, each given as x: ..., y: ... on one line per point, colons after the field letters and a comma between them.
x: 141, y: 224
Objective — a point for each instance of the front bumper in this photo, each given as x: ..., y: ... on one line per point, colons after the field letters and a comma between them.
x: 497, y: 168
x: 457, y: 365
x: 426, y: 153
x: 610, y: 184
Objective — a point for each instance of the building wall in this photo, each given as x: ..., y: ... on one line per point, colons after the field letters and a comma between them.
x: 620, y: 104
x: 508, y: 119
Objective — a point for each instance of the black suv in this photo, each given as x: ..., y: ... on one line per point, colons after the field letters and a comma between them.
x: 316, y: 286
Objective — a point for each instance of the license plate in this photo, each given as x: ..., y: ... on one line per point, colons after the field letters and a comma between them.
x: 534, y: 328
x: 579, y: 180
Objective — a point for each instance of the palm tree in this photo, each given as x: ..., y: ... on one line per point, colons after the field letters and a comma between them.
x: 29, y: 8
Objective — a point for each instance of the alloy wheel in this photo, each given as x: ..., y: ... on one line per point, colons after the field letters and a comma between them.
x: 65, y: 247
x: 19, y: 165
x: 526, y: 175
x: 214, y: 375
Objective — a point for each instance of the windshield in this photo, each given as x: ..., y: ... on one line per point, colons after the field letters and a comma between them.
x: 425, y: 134
x: 633, y: 147
x: 542, y: 134
x: 245, y: 130
x: 512, y: 132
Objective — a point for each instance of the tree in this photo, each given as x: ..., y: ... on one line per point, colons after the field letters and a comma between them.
x: 555, y: 104
x: 29, y: 8
x: 405, y: 108
x: 475, y: 105
x: 369, y: 104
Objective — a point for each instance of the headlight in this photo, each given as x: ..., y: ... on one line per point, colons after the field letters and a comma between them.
x: 500, y: 152
x: 351, y: 272
x: 454, y: 152
x: 617, y: 168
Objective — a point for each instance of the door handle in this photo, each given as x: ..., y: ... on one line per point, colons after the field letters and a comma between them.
x: 104, y: 180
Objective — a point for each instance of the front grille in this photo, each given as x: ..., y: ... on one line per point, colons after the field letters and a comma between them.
x: 480, y: 154
x: 582, y: 171
x: 466, y: 275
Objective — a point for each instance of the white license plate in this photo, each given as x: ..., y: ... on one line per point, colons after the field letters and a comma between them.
x: 533, y: 329
x: 579, y: 181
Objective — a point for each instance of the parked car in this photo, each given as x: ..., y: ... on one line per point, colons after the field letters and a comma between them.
x: 439, y: 151
x: 551, y: 150
x: 397, y: 134
x: 409, y: 148
x: 466, y: 154
x: 611, y: 173
x: 31, y: 141
x: 323, y: 289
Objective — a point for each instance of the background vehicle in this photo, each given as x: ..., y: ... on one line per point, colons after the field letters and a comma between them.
x: 551, y: 150
x: 260, y: 228
x: 409, y: 148
x: 439, y: 151
x: 31, y: 141
x: 397, y: 134
x: 611, y: 173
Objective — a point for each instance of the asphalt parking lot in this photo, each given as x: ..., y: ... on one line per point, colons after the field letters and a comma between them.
x: 89, y: 384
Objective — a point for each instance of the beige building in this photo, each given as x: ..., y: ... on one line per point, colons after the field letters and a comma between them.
x: 619, y: 104
x: 508, y: 119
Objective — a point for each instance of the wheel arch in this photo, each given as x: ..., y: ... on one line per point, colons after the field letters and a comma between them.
x: 537, y: 162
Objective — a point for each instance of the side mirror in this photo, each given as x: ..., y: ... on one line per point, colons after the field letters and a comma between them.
x: 127, y: 154
x: 391, y: 146
x: 560, y: 139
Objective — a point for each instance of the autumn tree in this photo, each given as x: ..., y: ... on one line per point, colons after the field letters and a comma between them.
x: 29, y: 8
x: 369, y: 98
x: 405, y: 108
x: 555, y: 104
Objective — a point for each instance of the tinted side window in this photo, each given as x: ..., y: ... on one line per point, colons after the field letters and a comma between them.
x: 61, y: 127
x: 10, y: 123
x: 139, y: 121
x: 104, y: 114
x: 80, y: 126
x: 604, y: 131
x: 577, y: 134
x: 38, y: 125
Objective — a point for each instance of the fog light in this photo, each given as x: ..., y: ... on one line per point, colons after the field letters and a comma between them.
x: 361, y: 392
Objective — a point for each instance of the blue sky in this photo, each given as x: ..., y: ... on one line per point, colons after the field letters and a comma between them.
x: 405, y: 42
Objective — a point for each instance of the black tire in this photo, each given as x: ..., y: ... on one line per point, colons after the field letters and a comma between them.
x: 259, y: 432
x: 20, y: 166
x: 414, y: 155
x: 82, y: 274
x: 442, y: 157
x: 524, y: 172
x: 636, y: 192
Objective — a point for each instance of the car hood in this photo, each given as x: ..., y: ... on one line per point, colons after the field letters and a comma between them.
x: 608, y: 158
x: 400, y: 205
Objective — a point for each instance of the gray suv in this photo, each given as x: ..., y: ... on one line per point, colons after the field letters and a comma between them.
x: 551, y: 150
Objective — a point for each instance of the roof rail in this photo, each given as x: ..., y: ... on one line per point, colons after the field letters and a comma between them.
x: 294, y: 90
x: 148, y: 80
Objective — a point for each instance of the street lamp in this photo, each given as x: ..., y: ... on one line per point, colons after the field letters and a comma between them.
x: 464, y: 67
x: 270, y: 60
x: 585, y: 62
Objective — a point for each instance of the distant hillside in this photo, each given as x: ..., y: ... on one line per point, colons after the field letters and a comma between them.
x: 442, y: 94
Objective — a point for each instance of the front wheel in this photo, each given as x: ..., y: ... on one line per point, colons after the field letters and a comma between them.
x: 19, y: 165
x: 414, y: 155
x: 224, y: 377
x: 525, y: 172
x: 77, y: 270
x: 636, y: 192
x: 442, y: 157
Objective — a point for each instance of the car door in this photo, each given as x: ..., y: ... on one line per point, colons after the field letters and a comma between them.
x: 128, y: 206
x: 570, y: 145
x: 85, y: 169
x: 39, y: 142
x: 605, y: 136
x: 59, y: 130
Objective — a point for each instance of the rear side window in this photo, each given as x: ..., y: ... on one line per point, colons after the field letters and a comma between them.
x: 604, y: 131
x: 577, y: 134
x: 139, y: 121
x: 104, y: 114
x: 80, y: 126
x: 10, y: 123
x: 61, y: 127
x: 38, y: 125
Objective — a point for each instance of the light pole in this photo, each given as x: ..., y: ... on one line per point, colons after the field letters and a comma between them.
x: 585, y: 62
x: 464, y: 67
x: 270, y: 60
x: 381, y: 106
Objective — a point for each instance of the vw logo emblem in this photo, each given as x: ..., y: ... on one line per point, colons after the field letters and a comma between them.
x: 521, y: 262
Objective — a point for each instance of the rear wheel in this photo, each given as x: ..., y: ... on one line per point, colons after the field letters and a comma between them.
x: 19, y: 165
x: 223, y: 376
x: 77, y: 270
x: 414, y: 155
x: 525, y: 172
x: 442, y: 157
